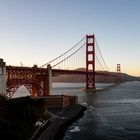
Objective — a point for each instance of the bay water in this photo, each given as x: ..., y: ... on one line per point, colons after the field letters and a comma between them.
x: 113, y: 112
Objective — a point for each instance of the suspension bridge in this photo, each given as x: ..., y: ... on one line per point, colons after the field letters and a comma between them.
x: 85, y: 54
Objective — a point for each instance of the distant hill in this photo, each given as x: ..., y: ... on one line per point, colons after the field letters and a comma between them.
x: 100, y: 79
x: 126, y: 77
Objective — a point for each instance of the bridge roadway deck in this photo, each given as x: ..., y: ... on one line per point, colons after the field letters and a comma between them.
x: 56, y: 71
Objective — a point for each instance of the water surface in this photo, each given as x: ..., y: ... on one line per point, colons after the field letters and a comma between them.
x: 112, y: 114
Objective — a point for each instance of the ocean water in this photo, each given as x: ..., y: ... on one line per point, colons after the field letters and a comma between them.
x: 112, y: 113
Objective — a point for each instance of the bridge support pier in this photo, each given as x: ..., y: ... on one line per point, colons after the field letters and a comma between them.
x: 2, y: 77
x: 90, y: 63
x: 47, y: 82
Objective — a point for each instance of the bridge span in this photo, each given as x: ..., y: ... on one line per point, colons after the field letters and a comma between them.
x: 38, y: 79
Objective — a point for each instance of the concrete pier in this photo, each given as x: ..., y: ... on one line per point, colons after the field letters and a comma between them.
x: 2, y: 77
x: 49, y: 79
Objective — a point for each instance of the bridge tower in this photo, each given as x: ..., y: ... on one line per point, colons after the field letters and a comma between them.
x: 90, y: 63
x: 119, y: 79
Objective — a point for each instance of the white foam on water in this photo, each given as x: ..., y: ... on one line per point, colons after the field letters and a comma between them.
x: 84, y: 104
x: 91, y: 108
x: 75, y: 129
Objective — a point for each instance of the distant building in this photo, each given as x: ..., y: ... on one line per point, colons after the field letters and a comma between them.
x: 2, y: 77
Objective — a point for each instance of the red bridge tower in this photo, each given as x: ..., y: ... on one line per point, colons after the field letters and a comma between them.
x: 90, y: 63
x: 119, y: 78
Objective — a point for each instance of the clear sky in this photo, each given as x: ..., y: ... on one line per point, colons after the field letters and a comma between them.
x: 35, y: 31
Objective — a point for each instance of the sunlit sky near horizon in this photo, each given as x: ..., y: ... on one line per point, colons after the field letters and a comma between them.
x: 36, y: 31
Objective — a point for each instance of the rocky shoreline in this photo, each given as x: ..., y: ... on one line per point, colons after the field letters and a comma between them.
x: 58, y: 124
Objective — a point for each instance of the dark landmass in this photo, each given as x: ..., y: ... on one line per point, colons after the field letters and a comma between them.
x: 62, y: 118
x: 127, y: 78
x: 28, y: 119
x: 98, y: 79
x: 18, y: 116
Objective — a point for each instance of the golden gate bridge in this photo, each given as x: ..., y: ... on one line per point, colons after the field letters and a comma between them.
x: 86, y: 53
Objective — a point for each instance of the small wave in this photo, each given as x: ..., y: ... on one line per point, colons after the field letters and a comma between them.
x: 121, y: 101
x: 84, y: 104
x: 91, y: 108
x: 75, y: 129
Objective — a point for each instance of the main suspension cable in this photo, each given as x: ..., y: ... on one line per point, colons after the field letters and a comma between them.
x: 101, y: 54
x: 63, y: 53
x: 69, y: 56
x: 99, y: 63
